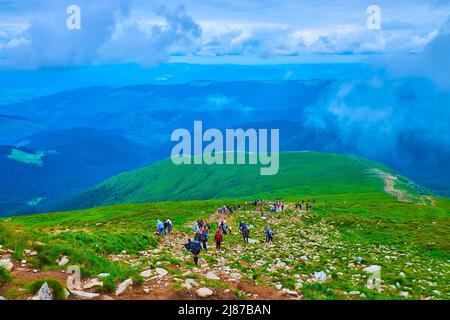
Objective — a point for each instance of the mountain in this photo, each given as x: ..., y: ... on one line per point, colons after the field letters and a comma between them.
x: 47, y: 167
x: 357, y: 224
x: 398, y: 122
x: 309, y: 174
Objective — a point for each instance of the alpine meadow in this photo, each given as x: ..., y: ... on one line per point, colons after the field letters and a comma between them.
x: 244, y: 152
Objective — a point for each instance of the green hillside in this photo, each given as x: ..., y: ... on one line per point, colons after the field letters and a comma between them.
x: 301, y: 173
x: 364, y: 215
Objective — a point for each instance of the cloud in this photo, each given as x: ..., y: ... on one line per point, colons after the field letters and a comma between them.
x: 433, y: 62
x: 106, y: 36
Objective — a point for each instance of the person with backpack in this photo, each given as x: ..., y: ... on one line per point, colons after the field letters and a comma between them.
x: 160, y: 227
x: 169, y: 226
x: 194, y: 248
x: 218, y: 239
x: 204, y: 238
x: 269, y: 235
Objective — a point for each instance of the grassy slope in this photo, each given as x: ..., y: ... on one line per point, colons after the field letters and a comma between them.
x: 309, y: 173
x: 369, y: 222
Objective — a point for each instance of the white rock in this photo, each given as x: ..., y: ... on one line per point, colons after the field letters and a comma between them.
x: 146, y: 273
x: 93, y: 283
x: 402, y: 274
x: 253, y: 241
x: 123, y: 286
x: 63, y: 261
x: 44, y: 293
x: 204, y: 292
x: 186, y: 285
x: 290, y: 292
x: 161, y: 272
x: 320, y: 276
x: 372, y: 268
x: 146, y: 290
x: 236, y: 276
x: 84, y: 295
x: 404, y: 294
x: 33, y: 253
x: 355, y: 292
x: 212, y: 276
x: 7, y: 264
x: 103, y: 275
x: 2, y: 298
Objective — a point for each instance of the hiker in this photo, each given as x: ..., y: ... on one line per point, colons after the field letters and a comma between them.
x: 160, y: 227
x: 224, y: 226
x: 269, y: 235
x: 245, y: 234
x: 242, y: 226
x: 194, y: 248
x: 218, y: 239
x: 169, y: 226
x: 204, y: 237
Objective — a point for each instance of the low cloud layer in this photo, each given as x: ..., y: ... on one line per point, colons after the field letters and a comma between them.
x: 106, y: 36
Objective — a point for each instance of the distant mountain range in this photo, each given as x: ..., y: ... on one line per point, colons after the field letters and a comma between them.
x: 302, y: 174
x: 50, y: 166
x: 397, y: 122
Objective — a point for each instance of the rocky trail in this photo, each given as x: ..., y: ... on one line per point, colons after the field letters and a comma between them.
x: 309, y: 259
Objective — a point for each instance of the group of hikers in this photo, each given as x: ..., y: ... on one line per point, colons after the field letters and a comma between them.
x: 164, y: 228
x: 308, y: 205
x: 202, y: 229
x: 278, y: 206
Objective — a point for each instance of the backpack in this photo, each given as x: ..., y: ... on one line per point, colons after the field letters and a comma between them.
x: 195, y: 248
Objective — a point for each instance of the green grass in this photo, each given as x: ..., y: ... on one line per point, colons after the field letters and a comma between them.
x: 58, y: 289
x: 301, y: 173
x: 4, y: 276
x: 352, y: 217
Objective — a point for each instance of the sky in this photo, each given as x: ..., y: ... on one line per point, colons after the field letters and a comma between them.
x: 33, y: 33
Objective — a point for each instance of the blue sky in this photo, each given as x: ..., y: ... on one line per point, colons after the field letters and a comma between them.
x: 33, y: 33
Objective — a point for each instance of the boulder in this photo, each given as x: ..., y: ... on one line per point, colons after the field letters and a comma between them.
x: 44, y: 293
x: 161, y: 272
x: 84, y: 295
x: 123, y: 286
x: 93, y: 283
x: 212, y: 276
x: 204, y: 292
x: 7, y: 264
x: 146, y: 273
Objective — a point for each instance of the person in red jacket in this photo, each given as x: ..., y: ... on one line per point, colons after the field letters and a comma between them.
x: 218, y: 239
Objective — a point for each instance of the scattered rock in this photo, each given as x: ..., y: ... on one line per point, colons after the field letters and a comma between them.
x: 123, y: 286
x: 44, y: 293
x: 84, y: 295
x: 93, y: 283
x: 7, y: 264
x: 103, y: 275
x: 204, y: 292
x: 354, y: 293
x: 372, y: 268
x: 404, y: 294
x: 146, y: 273
x: 161, y: 272
x: 146, y: 290
x: 63, y: 261
x: 212, y: 276
x: 320, y: 276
